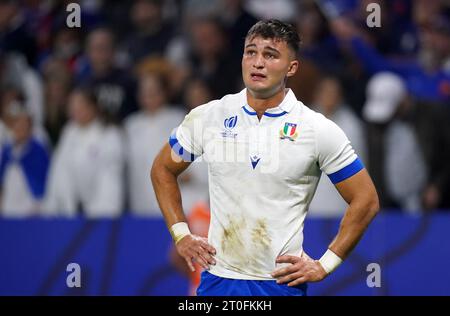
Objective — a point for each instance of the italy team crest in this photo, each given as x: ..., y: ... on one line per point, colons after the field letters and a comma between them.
x: 289, y: 131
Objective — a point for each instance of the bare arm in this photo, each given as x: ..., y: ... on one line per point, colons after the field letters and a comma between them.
x: 164, y: 174
x: 359, y: 192
x: 165, y: 170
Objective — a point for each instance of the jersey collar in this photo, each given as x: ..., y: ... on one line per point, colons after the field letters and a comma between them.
x: 283, y: 108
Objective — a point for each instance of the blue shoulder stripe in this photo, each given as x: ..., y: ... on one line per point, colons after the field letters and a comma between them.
x: 347, y: 171
x: 179, y: 150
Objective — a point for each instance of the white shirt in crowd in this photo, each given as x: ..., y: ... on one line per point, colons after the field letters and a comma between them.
x: 87, y: 170
x: 262, y: 176
x: 17, y: 201
x: 145, y: 136
x: 405, y: 168
x: 327, y: 201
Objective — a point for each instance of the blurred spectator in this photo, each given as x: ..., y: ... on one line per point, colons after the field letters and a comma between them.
x: 87, y: 171
x: 176, y: 76
x: 10, y: 97
x: 66, y: 47
x: 114, y: 12
x: 16, y: 74
x: 14, y: 36
x: 237, y: 21
x: 195, y: 9
x: 317, y: 44
x: 329, y: 101
x: 397, y: 35
x: 146, y: 132
x: 114, y: 87
x: 431, y: 122
x: 151, y: 33
x: 23, y: 167
x: 46, y: 19
x: 397, y: 161
x: 210, y: 57
x: 427, y: 77
x: 57, y: 86
x: 196, y: 92
x: 194, y: 181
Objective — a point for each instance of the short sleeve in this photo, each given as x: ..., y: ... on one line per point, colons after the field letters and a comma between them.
x: 336, y: 157
x: 187, y: 139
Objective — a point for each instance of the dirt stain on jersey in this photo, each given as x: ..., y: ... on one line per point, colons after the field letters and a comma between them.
x: 233, y: 239
x: 245, y: 245
x: 260, y: 236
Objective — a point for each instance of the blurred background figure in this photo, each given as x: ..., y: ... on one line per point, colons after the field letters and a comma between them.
x: 397, y: 160
x: 237, y: 21
x: 57, y: 86
x: 194, y: 181
x: 209, y: 56
x: 329, y: 101
x: 113, y: 86
x: 427, y: 76
x: 146, y: 132
x: 152, y: 32
x: 16, y: 74
x: 86, y: 175
x: 14, y: 34
x: 24, y: 165
x: 66, y: 48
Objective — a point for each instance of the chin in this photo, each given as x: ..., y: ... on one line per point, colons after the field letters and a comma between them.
x: 257, y: 87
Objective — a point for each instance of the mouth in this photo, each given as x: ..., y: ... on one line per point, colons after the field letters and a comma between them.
x: 256, y: 76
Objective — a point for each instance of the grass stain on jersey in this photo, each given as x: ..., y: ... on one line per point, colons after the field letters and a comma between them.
x: 246, y: 247
x: 260, y: 236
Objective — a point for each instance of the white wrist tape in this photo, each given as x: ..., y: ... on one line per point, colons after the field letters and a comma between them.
x: 330, y: 261
x: 179, y: 231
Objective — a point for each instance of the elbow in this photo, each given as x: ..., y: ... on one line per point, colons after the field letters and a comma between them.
x: 155, y: 170
x: 373, y: 205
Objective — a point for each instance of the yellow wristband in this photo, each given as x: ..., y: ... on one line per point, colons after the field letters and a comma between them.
x: 179, y: 231
x: 330, y: 261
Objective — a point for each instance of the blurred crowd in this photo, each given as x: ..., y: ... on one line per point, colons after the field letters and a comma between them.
x: 84, y: 111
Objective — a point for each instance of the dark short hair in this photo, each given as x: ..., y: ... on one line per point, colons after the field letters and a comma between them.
x: 276, y: 29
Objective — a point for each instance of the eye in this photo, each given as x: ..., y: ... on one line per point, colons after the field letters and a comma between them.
x: 250, y: 53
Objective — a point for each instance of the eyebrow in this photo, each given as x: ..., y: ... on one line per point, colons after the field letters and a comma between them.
x: 265, y: 47
x: 272, y: 49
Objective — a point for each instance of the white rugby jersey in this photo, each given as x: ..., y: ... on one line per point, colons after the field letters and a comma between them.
x: 262, y: 176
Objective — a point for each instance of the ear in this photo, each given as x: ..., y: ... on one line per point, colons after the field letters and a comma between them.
x: 293, y: 67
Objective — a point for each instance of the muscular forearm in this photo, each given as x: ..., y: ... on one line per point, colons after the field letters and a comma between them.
x: 164, y: 175
x: 168, y: 195
x: 356, y: 219
x: 165, y: 171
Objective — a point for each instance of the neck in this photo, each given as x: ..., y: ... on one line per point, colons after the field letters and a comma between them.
x: 260, y: 103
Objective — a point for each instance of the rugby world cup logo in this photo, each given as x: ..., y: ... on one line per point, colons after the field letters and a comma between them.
x: 230, y: 122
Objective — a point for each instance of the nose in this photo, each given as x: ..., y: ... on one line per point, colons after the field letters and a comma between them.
x: 259, y: 62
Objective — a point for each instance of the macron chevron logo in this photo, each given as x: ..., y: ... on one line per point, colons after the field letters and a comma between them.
x: 255, y: 161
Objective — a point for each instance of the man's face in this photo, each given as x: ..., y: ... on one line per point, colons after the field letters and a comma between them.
x: 101, y: 49
x: 266, y: 64
x: 21, y: 128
